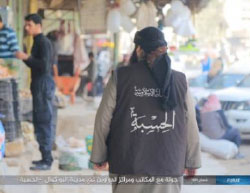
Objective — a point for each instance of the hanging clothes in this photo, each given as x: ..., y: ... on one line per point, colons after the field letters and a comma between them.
x: 80, y: 53
x: 65, y: 40
x: 146, y: 15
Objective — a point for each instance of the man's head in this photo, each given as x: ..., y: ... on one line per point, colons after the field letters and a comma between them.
x: 149, y: 39
x: 91, y: 55
x: 1, y: 22
x: 149, y: 44
x: 33, y: 24
x: 52, y: 35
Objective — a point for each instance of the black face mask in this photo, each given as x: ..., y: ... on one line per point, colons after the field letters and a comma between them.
x: 162, y: 73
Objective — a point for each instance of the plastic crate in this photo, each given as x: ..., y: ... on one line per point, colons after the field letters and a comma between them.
x: 10, y: 136
x: 12, y: 130
x: 7, y: 109
x: 26, y: 105
x: 19, y: 132
x: 6, y: 92
x: 15, y: 92
x: 16, y: 109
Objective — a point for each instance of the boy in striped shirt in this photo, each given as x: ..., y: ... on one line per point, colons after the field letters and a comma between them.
x: 8, y: 41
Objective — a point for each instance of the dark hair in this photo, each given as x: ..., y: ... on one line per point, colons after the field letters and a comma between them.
x: 52, y: 36
x: 91, y: 54
x: 133, y: 58
x: 34, y: 17
x: 1, y: 20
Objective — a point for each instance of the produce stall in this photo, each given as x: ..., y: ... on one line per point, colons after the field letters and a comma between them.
x: 10, y: 108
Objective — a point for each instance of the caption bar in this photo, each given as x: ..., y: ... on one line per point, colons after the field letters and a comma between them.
x: 123, y: 180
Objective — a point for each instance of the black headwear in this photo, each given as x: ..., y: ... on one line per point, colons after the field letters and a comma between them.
x: 149, y: 39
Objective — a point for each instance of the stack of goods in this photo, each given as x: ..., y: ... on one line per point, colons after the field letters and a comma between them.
x: 26, y: 105
x: 4, y: 72
x: 14, y: 148
x: 9, y: 107
x: 28, y: 131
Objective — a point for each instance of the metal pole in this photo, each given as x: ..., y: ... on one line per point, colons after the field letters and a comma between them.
x: 116, y: 48
x: 33, y: 8
x: 19, y: 27
x: 19, y: 30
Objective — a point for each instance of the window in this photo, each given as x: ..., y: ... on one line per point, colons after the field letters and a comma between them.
x: 225, y: 80
x: 245, y: 83
x: 199, y: 81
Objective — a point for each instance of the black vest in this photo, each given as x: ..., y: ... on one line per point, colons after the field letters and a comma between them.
x: 144, y: 139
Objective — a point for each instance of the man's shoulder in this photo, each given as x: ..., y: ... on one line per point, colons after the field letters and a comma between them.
x: 122, y: 69
x: 44, y: 40
x: 180, y: 79
x: 122, y: 72
x: 179, y: 74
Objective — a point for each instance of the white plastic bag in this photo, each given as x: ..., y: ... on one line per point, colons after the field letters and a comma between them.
x: 169, y: 19
x: 152, y: 14
x: 127, y: 7
x: 73, y: 160
x: 81, y: 59
x: 177, y: 6
x: 146, y: 15
x: 220, y: 148
x: 72, y: 154
x: 185, y: 28
x: 127, y: 24
x: 176, y: 22
x: 179, y: 17
x: 141, y: 15
x: 71, y: 144
x: 114, y: 20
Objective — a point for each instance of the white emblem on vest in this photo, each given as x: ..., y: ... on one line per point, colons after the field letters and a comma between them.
x: 147, y: 92
x: 162, y: 127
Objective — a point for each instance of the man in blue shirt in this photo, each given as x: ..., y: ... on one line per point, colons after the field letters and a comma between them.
x: 8, y: 41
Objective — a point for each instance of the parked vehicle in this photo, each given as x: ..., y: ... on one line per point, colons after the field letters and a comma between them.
x: 236, y: 103
x: 201, y: 89
x: 233, y: 76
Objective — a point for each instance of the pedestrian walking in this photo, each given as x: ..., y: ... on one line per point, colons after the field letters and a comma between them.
x: 146, y: 123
